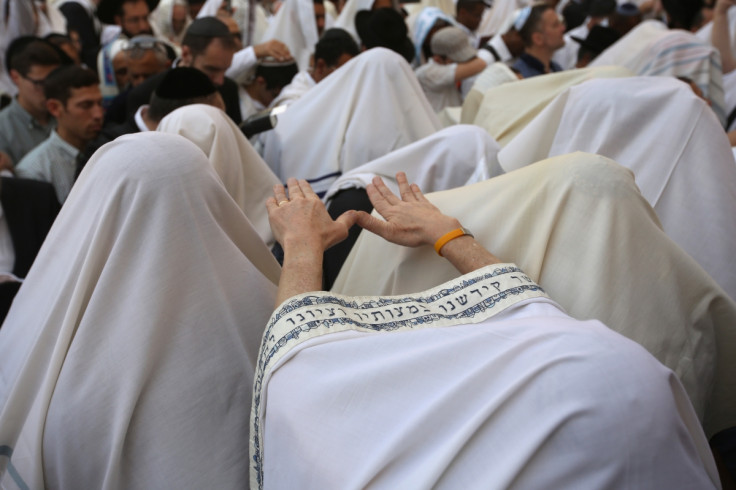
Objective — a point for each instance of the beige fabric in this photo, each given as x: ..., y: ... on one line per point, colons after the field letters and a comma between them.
x: 246, y: 177
x: 127, y: 358
x: 688, y: 175
x: 492, y: 76
x: 507, y: 109
x: 578, y: 226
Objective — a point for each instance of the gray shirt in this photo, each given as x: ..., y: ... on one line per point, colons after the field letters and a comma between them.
x: 52, y: 161
x: 20, y: 132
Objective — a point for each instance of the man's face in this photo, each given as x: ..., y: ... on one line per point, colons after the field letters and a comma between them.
x: 144, y: 67
x: 120, y: 68
x: 82, y: 115
x: 552, y: 30
x: 178, y: 17
x: 30, y: 86
x: 214, y: 61
x: 321, y: 70
x: 319, y: 17
x: 471, y: 16
x: 134, y: 20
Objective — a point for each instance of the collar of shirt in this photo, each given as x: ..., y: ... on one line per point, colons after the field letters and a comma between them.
x: 61, y: 143
x: 538, y: 65
x: 139, y: 119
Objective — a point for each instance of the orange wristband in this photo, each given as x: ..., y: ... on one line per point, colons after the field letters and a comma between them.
x: 451, y: 235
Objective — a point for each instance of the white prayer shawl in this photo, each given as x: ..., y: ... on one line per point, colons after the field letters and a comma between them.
x: 452, y: 157
x: 243, y: 172
x: 421, y: 26
x: 472, y: 384
x: 498, y: 18
x: 507, y: 109
x: 371, y: 106
x: 493, y: 75
x: 729, y: 93
x: 654, y: 50
x: 295, y: 26
x: 127, y: 357
x: 672, y: 142
x: 578, y: 226
x: 300, y: 85
x: 161, y: 22
x: 19, y: 21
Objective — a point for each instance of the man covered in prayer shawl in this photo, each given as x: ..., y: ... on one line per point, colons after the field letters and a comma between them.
x: 347, y: 388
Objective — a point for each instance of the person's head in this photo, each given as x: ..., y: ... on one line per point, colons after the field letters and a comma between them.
x: 179, y: 14
x: 319, y: 15
x: 182, y: 86
x: 598, y: 40
x: 146, y: 57
x: 29, y: 61
x: 233, y: 27
x: 470, y: 13
x: 451, y: 45
x: 626, y: 17
x: 335, y: 48
x: 384, y: 28
x: 130, y: 15
x: 73, y: 97
x: 209, y: 47
x: 66, y: 44
x: 541, y: 28
x: 682, y: 14
x: 270, y: 78
x: 194, y: 7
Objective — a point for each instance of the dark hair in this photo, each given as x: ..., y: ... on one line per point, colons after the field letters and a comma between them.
x: 682, y: 14
x: 197, y: 44
x: 159, y: 107
x: 533, y: 22
x: 60, y: 82
x: 27, y: 51
x: 334, y: 43
x: 468, y: 4
x: 277, y: 77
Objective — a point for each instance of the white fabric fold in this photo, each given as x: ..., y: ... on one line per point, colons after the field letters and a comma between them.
x: 245, y: 175
x: 127, y: 358
x: 578, y: 226
x: 294, y: 25
x: 369, y: 107
x: 672, y: 142
x: 452, y: 157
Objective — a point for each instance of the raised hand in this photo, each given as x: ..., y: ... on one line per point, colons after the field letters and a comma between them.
x: 410, y: 221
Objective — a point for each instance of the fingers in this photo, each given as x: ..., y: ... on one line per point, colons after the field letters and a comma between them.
x: 371, y: 223
x: 348, y: 218
x: 279, y: 193
x: 306, y: 189
x: 294, y: 189
x: 418, y: 195
x: 271, y: 204
x: 384, y: 191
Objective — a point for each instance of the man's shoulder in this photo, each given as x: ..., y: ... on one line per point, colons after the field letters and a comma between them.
x: 37, y: 158
x: 434, y: 74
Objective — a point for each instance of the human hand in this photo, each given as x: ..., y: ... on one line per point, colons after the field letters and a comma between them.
x: 410, y: 221
x: 302, y: 221
x: 273, y: 48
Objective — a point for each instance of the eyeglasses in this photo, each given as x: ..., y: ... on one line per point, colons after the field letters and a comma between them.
x: 36, y: 83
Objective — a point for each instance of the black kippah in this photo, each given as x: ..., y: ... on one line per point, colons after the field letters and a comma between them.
x: 208, y: 27
x: 184, y: 83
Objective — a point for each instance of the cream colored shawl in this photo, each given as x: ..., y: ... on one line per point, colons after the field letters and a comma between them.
x: 578, y: 226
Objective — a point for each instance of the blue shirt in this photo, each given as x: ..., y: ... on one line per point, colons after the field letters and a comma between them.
x: 529, y: 66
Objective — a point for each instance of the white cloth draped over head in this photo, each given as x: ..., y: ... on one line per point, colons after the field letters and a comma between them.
x: 494, y: 75
x: 161, y: 20
x: 369, y: 107
x: 653, y: 50
x: 672, y: 142
x: 422, y: 25
x: 472, y: 384
x: 294, y: 25
x: 499, y: 18
x: 578, y: 226
x: 507, y: 109
x: 452, y: 157
x: 245, y: 175
x: 300, y: 85
x: 127, y: 358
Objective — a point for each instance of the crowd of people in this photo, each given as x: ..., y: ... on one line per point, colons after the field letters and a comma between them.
x: 367, y: 244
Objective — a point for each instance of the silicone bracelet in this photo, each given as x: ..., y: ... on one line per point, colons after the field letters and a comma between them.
x: 450, y: 235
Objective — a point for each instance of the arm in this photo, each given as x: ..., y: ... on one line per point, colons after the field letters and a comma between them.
x: 469, y: 68
x: 413, y: 221
x: 246, y: 59
x: 720, y: 35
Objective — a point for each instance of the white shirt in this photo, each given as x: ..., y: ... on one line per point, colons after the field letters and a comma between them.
x: 438, y: 84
